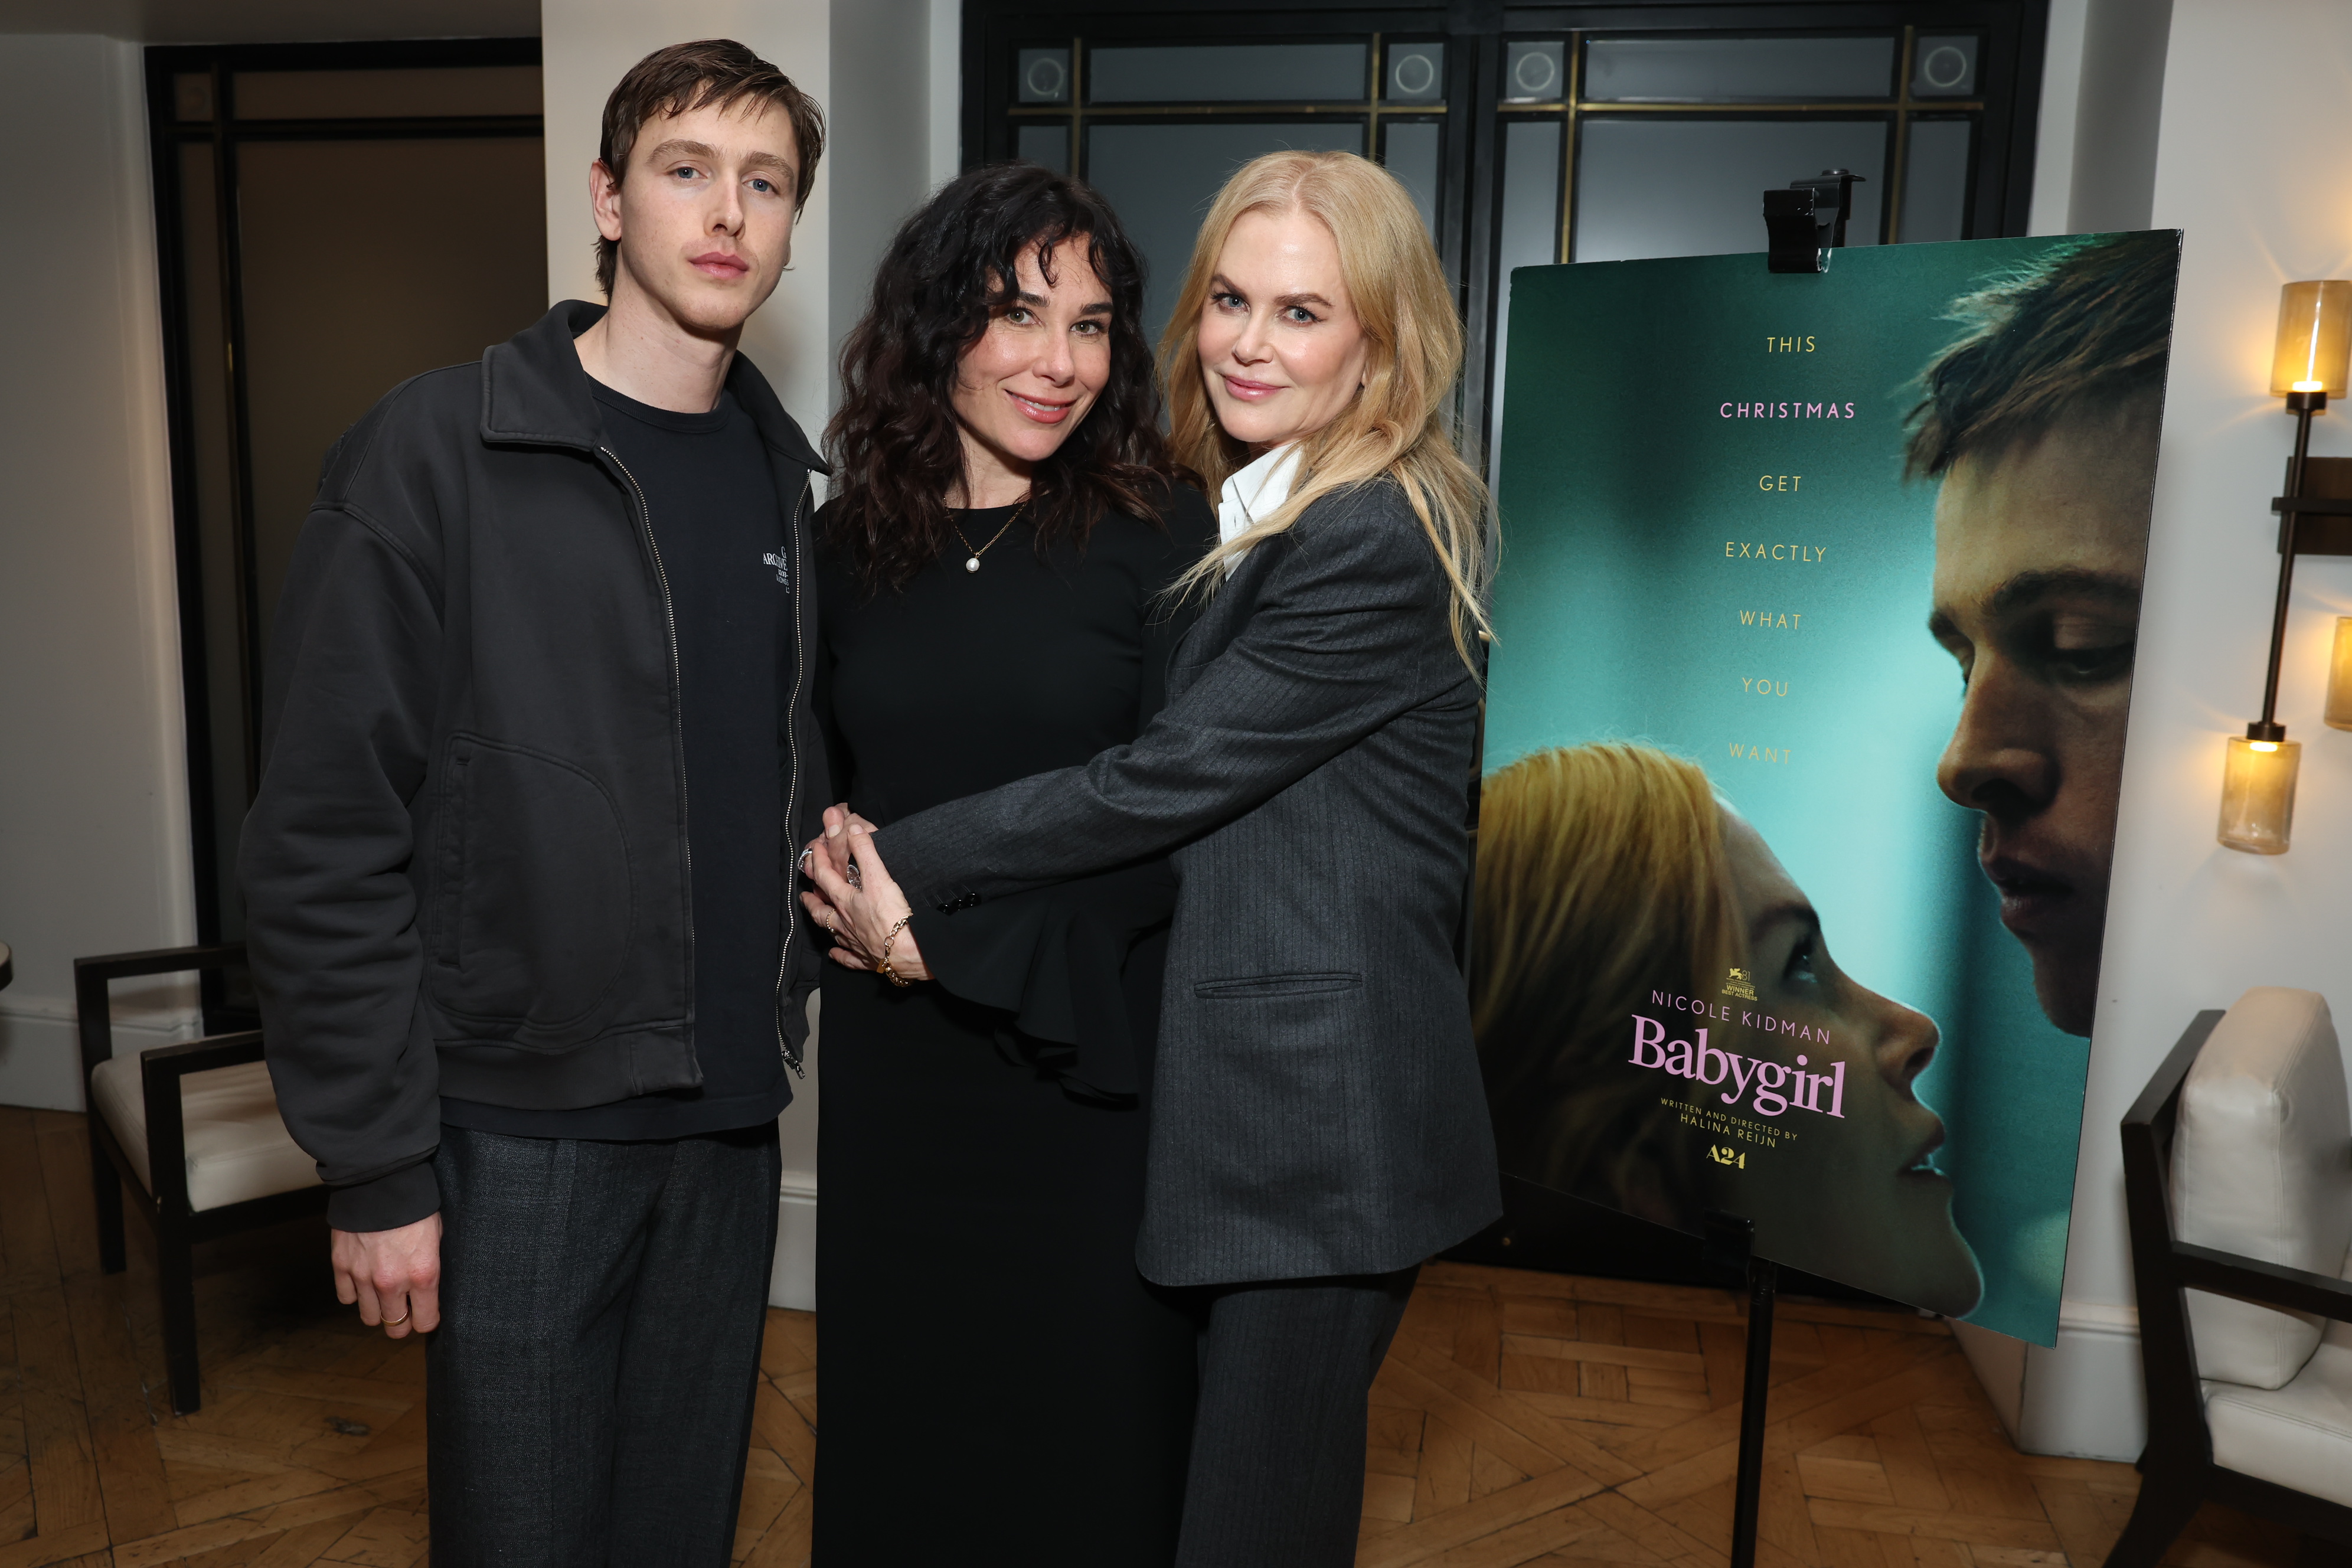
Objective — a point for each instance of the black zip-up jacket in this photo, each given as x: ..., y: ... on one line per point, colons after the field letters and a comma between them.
x: 466, y: 872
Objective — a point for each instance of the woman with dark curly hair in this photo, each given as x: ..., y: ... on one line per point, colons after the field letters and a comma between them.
x: 1005, y: 522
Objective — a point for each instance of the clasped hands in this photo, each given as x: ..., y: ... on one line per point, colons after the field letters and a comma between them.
x: 857, y: 900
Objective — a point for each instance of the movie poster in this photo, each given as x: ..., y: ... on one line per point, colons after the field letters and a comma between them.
x: 1813, y: 635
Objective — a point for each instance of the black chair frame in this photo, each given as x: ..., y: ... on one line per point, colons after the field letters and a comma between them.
x: 178, y: 1228
x: 2178, y: 1472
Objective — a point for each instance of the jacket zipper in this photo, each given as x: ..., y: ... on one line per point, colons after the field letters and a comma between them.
x: 677, y: 713
x: 799, y: 591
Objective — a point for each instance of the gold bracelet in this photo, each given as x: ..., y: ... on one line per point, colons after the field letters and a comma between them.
x: 882, y: 965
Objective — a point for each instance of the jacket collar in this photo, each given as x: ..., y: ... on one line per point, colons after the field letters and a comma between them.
x: 534, y: 392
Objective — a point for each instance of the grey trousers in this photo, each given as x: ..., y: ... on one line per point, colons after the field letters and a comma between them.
x: 1277, y: 1478
x: 588, y: 1395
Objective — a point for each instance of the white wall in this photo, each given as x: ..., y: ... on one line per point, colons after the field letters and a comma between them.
x: 2121, y: 95
x: 946, y: 96
x: 886, y: 73
x: 94, y: 841
x: 2102, y: 97
x: 2055, y: 123
x: 2251, y: 159
x: 881, y: 154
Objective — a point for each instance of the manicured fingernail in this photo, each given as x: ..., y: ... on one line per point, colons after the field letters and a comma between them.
x: 854, y: 829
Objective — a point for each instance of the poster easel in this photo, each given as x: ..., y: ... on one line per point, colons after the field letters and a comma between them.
x: 1730, y: 1246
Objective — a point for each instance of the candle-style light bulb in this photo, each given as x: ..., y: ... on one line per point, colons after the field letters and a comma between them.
x: 2258, y: 794
x: 2313, y: 348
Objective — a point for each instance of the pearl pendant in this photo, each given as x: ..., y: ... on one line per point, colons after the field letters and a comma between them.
x: 972, y: 565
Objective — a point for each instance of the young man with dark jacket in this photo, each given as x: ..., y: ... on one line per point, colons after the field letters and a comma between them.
x: 538, y: 748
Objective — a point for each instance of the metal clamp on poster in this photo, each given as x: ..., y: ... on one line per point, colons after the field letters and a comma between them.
x: 1807, y: 221
x: 1814, y: 635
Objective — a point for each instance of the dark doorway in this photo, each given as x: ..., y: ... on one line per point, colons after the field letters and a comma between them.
x: 331, y: 219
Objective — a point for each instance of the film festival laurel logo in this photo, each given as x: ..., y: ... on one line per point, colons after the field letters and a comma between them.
x: 1738, y: 986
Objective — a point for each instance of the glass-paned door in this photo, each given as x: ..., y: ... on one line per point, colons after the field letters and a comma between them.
x: 1527, y: 134
x: 1157, y: 123
x: 1621, y: 145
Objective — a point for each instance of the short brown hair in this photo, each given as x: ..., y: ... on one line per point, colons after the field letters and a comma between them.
x: 683, y: 78
x: 2084, y: 331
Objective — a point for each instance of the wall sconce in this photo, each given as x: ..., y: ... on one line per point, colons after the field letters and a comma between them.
x: 2339, y: 676
x: 2311, y: 361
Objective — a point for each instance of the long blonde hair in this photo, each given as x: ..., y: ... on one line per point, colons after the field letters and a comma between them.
x: 1398, y: 423
x: 1603, y: 874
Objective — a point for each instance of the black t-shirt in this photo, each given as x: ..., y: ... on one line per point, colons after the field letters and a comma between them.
x: 723, y: 547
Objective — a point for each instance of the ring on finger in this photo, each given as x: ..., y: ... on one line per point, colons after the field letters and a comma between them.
x: 395, y: 1322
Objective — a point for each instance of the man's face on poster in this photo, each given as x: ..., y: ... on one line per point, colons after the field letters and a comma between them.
x: 2040, y: 553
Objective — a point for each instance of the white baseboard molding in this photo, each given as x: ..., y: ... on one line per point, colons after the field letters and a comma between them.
x: 2080, y: 1399
x: 2083, y: 1399
x: 792, y: 1279
x: 40, y: 1046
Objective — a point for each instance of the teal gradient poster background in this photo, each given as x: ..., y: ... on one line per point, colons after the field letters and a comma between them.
x: 1751, y: 593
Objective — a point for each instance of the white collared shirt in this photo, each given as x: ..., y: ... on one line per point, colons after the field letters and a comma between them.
x: 1256, y: 492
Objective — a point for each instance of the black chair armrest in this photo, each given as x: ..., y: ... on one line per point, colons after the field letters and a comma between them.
x: 201, y: 1056
x: 159, y: 961
x: 159, y: 1072
x: 91, y: 974
x: 2266, y: 1284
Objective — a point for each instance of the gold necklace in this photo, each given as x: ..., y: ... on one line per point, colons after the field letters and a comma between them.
x: 972, y: 562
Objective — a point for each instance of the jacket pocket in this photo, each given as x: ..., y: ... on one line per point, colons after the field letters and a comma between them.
x: 1300, y: 982
x: 533, y: 913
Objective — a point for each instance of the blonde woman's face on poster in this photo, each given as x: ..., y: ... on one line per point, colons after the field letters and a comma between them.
x: 1853, y: 1198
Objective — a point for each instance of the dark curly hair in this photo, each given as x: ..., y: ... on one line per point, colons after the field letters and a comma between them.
x: 895, y: 445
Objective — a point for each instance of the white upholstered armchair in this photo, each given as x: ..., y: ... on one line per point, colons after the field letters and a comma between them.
x: 194, y: 1130
x: 2238, y: 1177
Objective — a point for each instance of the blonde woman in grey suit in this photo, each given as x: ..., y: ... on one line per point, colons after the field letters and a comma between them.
x: 1319, y: 1125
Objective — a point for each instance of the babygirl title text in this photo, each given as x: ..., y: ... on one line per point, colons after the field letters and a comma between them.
x: 1770, y: 1087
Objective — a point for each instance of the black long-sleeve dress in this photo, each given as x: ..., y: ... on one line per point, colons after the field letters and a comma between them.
x: 998, y: 1385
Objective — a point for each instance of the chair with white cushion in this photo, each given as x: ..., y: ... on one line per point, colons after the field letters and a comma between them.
x: 2238, y: 1180
x: 196, y: 1129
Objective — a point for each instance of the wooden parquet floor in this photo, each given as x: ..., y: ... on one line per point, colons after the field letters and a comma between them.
x: 1521, y: 1418
x: 1525, y: 1418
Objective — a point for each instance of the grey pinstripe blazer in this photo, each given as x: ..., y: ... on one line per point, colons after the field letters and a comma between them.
x: 1316, y: 1107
